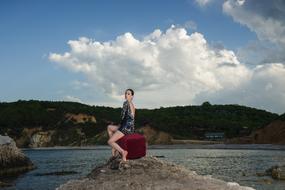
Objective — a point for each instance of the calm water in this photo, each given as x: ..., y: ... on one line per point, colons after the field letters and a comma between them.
x: 230, y: 165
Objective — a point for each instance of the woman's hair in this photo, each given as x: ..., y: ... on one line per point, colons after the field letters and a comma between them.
x: 130, y: 90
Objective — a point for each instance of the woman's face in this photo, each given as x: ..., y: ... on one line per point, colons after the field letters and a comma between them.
x: 128, y: 95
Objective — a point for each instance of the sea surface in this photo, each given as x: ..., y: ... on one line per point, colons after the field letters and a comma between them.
x: 236, y: 163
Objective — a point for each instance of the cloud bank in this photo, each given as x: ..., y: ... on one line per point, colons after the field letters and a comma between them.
x: 173, y: 68
x: 266, y: 19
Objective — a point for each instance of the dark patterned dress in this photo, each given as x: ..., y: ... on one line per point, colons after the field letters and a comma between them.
x: 127, y: 125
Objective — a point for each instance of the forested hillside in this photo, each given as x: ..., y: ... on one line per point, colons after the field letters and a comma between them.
x: 48, y: 123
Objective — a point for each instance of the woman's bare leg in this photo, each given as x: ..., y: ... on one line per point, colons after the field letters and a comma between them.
x: 112, y: 142
x: 111, y: 130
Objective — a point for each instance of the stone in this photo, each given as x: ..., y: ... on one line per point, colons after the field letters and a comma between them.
x: 279, y: 173
x: 4, y: 184
x: 276, y: 172
x: 146, y: 173
x: 12, y: 160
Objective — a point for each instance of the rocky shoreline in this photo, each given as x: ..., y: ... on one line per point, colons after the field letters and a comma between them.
x: 12, y: 160
x: 148, y: 172
x: 175, y: 146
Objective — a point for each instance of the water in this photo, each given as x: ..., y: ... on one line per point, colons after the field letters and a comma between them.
x: 239, y: 165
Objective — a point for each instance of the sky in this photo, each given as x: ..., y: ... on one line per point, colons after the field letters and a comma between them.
x: 171, y: 53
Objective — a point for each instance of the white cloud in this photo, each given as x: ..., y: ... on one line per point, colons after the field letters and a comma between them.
x: 78, y: 85
x: 264, y: 90
x: 168, y: 68
x: 72, y: 99
x: 203, y: 3
x: 190, y: 24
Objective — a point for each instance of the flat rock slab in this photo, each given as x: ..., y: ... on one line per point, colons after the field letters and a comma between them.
x: 147, y: 173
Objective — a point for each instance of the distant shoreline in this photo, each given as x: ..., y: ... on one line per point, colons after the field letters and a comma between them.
x: 175, y: 146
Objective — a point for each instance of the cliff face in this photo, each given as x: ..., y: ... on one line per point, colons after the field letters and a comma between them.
x: 151, y: 135
x: 272, y: 133
x: 41, y: 138
x: 70, y: 135
x: 36, y: 137
x: 147, y: 173
x: 154, y: 136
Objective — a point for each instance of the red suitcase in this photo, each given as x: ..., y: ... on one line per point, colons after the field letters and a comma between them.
x: 135, y: 144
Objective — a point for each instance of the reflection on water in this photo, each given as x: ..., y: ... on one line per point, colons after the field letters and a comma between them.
x: 230, y: 165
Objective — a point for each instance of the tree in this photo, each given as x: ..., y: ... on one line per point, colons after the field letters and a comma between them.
x: 206, y: 104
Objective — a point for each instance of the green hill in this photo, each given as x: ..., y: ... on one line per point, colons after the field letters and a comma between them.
x: 50, y: 123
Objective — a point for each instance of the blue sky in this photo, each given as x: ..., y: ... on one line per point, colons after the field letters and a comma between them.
x: 31, y: 30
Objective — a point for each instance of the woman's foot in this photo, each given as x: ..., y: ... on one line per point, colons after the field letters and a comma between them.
x: 124, y: 155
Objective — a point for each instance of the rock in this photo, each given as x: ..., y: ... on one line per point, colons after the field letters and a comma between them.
x: 159, y: 156
x: 260, y: 174
x: 147, y: 172
x: 276, y: 172
x: 273, y: 133
x: 80, y: 118
x: 154, y: 136
x: 266, y: 181
x: 12, y: 160
x: 279, y: 173
x: 5, y: 140
x: 4, y: 184
x: 26, y: 136
x: 41, y: 138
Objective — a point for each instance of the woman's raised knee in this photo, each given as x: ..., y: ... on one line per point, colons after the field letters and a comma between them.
x: 112, y: 128
x: 110, y: 141
x: 109, y: 127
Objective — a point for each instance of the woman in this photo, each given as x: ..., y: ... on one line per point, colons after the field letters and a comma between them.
x: 125, y: 127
